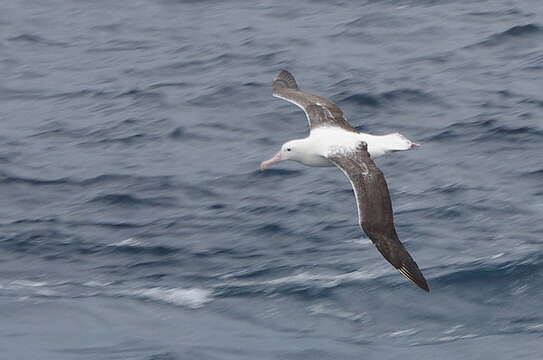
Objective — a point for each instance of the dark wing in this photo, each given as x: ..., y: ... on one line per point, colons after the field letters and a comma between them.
x: 375, y: 210
x: 319, y: 111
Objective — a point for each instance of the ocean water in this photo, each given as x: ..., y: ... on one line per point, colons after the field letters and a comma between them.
x: 135, y: 223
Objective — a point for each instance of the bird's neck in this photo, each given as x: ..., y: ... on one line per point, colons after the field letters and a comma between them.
x: 310, y: 152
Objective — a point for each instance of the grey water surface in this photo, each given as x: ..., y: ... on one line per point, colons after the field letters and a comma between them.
x: 135, y: 224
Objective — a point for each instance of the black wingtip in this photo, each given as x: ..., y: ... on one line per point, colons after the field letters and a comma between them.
x: 284, y: 79
x: 395, y: 253
x: 415, y: 275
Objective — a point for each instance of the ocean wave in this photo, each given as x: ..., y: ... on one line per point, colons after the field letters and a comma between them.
x: 513, y: 133
x: 28, y: 289
x: 445, y: 339
x: 493, y: 14
x: 513, y: 34
x: 495, y: 270
x: 44, y: 242
x: 36, y: 39
x: 52, y: 244
x: 167, y: 84
x: 537, y: 174
x: 486, y: 130
x: 147, y: 93
x: 191, y: 297
x: 12, y: 94
x: 522, y: 30
x: 103, y: 179
x: 129, y: 200
x: 239, y: 181
x: 58, y: 221
x: 129, y: 132
x: 122, y: 45
x: 388, y: 98
x: 8, y: 178
x: 181, y: 133
x: 191, y: 65
x: 362, y: 100
x: 100, y: 181
x: 135, y: 246
x: 136, y: 93
x: 490, y: 271
x: 522, y: 325
x: 240, y: 93
x: 328, y: 309
x: 83, y: 93
x: 306, y: 284
x: 132, y: 139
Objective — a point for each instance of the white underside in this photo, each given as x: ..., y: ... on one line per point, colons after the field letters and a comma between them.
x: 322, y: 141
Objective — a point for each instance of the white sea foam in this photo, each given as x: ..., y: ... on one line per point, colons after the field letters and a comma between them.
x: 29, y: 288
x: 406, y: 332
x: 191, y: 297
x: 327, y: 280
x: 28, y: 283
x: 96, y: 284
x: 128, y: 242
x: 328, y: 309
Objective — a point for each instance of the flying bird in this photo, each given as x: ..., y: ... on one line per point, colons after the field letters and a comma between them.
x: 332, y: 141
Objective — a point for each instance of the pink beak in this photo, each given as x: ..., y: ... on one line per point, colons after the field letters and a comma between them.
x: 414, y: 145
x: 275, y: 159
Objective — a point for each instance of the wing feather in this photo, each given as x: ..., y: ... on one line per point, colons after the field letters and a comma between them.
x: 375, y: 210
x: 318, y: 110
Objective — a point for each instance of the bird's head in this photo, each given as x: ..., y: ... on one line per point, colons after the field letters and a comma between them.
x: 290, y: 150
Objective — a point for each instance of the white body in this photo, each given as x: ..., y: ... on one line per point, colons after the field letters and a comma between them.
x: 312, y: 150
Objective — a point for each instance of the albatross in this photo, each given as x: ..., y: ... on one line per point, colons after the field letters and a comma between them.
x: 332, y: 141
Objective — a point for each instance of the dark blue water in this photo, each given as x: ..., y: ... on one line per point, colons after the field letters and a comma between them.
x: 135, y: 223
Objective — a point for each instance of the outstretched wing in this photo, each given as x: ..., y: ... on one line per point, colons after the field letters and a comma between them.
x: 319, y: 111
x: 375, y: 210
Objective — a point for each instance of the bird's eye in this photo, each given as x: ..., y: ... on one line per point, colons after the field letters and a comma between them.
x: 288, y: 149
